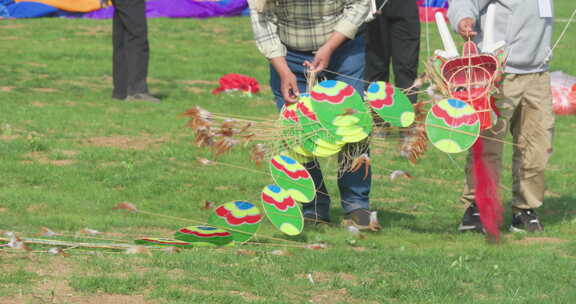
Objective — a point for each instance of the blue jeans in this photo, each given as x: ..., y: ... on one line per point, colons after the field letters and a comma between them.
x: 354, y: 187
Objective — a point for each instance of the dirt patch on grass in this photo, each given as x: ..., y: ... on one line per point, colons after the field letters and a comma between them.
x: 2, y: 210
x: 195, y: 90
x: 8, y: 137
x: 538, y: 240
x: 62, y: 162
x: 38, y: 104
x: 69, y: 153
x: 198, y: 82
x: 42, y: 158
x: 126, y: 142
x: 334, y: 296
x: 34, y: 208
x: 53, y: 297
x: 552, y: 194
x: 6, y: 89
x: 93, y: 30
x: 107, y: 298
x: 249, y: 297
x: 52, y: 287
x: 36, y: 64
x: 45, y: 90
x: 325, y: 277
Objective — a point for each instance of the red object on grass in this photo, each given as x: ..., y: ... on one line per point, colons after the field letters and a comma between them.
x: 237, y: 82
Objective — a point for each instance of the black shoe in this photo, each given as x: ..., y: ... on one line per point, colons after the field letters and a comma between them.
x: 142, y: 97
x: 471, y: 221
x: 525, y: 220
x: 363, y: 219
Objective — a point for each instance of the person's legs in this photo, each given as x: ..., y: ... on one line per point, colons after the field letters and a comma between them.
x: 355, y: 186
x: 319, y: 208
x: 492, y: 155
x: 405, y: 48
x: 132, y: 14
x: 378, y: 50
x: 532, y: 129
x: 492, y: 158
x: 119, y: 67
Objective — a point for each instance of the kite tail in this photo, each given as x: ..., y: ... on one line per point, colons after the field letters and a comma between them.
x: 487, y: 196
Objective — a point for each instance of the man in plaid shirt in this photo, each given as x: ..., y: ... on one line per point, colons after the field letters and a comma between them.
x: 300, y: 36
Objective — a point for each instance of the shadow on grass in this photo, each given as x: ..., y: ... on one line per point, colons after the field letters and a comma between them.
x: 554, y: 211
x: 557, y: 210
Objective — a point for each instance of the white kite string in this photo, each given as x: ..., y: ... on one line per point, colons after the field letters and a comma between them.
x: 559, y: 39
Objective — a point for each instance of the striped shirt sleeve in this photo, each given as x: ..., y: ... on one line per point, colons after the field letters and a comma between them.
x: 264, y: 26
x: 354, y: 15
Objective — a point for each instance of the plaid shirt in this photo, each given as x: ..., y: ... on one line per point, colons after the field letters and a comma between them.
x: 304, y: 25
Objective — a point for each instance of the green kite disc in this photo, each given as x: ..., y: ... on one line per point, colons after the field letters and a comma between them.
x: 241, y: 218
x: 452, y: 125
x: 293, y: 177
x: 282, y: 210
x: 292, y: 130
x: 338, y: 105
x: 203, y: 236
x: 316, y: 138
x: 390, y: 103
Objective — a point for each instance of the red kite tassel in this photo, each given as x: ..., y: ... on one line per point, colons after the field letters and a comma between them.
x: 487, y: 196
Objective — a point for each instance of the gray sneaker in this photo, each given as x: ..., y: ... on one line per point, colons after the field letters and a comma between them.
x: 363, y: 219
x: 526, y: 220
x: 142, y: 97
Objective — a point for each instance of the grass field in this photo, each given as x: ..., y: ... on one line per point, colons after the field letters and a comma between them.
x: 69, y: 153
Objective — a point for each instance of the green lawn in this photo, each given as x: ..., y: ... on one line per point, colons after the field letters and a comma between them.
x: 69, y: 153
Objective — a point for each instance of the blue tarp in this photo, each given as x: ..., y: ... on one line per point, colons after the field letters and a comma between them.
x: 435, y: 3
x: 154, y: 9
x: 10, y: 9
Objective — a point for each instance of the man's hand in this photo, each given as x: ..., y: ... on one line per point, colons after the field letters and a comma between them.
x: 288, y: 81
x: 321, y: 60
x: 289, y: 87
x: 322, y: 57
x: 466, y: 28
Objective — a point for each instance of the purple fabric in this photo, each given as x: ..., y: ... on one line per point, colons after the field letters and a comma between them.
x: 180, y: 9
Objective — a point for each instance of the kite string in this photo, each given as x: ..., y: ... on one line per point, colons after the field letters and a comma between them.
x: 559, y: 39
x: 408, y: 91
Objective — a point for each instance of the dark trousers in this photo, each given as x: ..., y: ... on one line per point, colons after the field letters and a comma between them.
x: 131, y: 51
x: 394, y: 38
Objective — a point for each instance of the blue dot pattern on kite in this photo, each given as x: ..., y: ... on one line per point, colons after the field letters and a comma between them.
x: 288, y: 160
x: 373, y: 87
x: 274, y: 188
x: 328, y: 83
x: 456, y: 103
x: 243, y: 205
x: 205, y: 228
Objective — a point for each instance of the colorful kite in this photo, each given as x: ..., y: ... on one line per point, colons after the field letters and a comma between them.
x: 282, y: 210
x: 242, y: 219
